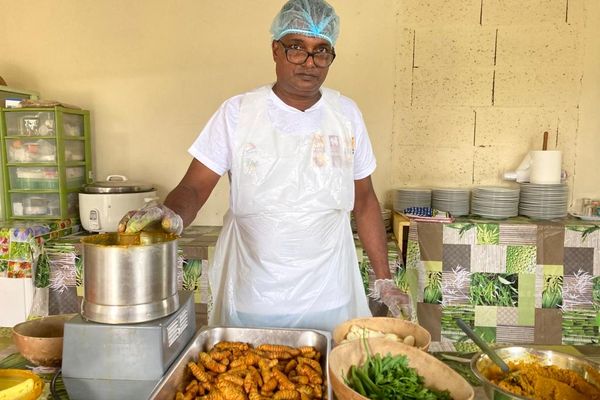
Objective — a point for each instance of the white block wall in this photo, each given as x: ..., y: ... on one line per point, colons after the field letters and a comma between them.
x: 477, y: 84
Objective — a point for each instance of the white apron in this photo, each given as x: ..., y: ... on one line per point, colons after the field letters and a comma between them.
x: 285, y: 256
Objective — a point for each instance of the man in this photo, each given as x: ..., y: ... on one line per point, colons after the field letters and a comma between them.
x: 299, y: 160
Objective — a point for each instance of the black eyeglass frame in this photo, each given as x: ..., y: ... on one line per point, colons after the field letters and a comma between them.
x: 308, y: 54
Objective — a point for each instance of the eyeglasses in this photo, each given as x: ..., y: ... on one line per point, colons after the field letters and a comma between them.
x: 322, y: 59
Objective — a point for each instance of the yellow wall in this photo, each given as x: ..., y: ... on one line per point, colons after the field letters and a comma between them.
x: 152, y: 72
x: 587, y: 182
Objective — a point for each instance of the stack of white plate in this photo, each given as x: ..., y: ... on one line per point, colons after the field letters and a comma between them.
x: 411, y: 197
x: 453, y: 200
x: 495, y: 202
x: 544, y: 201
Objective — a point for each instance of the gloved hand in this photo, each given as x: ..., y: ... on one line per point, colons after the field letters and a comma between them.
x: 152, y: 213
x: 397, y: 301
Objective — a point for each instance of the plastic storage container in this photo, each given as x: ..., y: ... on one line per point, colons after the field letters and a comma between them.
x: 32, y: 178
x: 46, y: 161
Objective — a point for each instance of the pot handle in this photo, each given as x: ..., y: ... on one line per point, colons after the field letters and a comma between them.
x: 121, y: 178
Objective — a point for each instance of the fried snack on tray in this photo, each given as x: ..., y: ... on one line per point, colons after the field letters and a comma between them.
x: 239, y: 371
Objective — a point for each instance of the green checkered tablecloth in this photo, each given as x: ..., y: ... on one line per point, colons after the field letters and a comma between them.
x: 515, y: 281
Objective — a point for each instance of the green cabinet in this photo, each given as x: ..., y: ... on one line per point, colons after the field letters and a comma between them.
x: 15, y: 94
x: 46, y: 159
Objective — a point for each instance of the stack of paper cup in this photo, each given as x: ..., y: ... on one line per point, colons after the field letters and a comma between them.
x: 546, y: 167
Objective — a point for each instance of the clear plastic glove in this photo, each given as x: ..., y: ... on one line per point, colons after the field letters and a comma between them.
x: 397, y: 301
x: 150, y: 215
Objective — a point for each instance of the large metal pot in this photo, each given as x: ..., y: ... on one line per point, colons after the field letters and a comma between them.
x: 129, y: 283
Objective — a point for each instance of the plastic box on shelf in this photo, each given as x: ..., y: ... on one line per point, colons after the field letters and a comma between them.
x: 46, y: 157
x: 44, y: 177
x: 10, y: 93
x: 42, y: 205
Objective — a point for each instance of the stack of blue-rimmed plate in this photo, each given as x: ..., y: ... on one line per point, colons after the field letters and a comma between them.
x: 453, y: 200
x: 495, y: 202
x: 411, y: 197
x: 544, y: 201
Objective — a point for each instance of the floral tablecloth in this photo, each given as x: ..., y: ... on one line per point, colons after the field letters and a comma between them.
x: 21, y: 242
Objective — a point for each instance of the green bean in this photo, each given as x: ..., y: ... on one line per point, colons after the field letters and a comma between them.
x: 390, y: 377
x: 356, y: 381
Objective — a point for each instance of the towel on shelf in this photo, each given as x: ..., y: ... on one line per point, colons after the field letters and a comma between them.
x: 427, y: 214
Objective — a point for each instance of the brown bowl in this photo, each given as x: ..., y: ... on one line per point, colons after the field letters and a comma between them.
x: 436, y: 374
x: 41, y: 340
x: 397, y: 326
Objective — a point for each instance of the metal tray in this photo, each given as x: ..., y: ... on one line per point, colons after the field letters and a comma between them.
x: 178, y: 375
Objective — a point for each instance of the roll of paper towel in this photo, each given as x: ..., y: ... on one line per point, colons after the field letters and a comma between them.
x: 546, y: 166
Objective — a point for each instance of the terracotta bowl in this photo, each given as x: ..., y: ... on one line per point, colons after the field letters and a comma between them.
x: 41, y: 340
x: 398, y: 326
x: 436, y: 374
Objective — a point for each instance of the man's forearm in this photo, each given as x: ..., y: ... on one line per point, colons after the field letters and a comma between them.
x: 192, y: 192
x: 184, y: 201
x: 371, y: 232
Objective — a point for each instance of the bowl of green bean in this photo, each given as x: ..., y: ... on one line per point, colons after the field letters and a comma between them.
x: 378, y: 368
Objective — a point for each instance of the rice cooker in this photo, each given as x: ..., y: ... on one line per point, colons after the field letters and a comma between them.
x: 102, y: 204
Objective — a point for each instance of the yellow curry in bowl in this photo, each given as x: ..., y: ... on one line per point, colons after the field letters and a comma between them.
x: 543, y: 382
x: 539, y: 375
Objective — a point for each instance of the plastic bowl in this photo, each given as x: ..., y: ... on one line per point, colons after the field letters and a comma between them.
x: 436, y: 374
x: 41, y: 340
x: 20, y: 384
x: 397, y: 326
x: 481, y: 362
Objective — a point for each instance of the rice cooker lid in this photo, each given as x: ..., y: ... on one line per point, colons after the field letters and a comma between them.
x: 117, y: 184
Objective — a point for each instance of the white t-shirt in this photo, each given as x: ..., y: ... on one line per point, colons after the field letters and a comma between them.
x: 213, y: 147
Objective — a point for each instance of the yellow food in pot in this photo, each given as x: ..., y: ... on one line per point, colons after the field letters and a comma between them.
x: 542, y: 382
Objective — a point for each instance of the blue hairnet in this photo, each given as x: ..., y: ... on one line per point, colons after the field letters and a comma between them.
x: 315, y: 18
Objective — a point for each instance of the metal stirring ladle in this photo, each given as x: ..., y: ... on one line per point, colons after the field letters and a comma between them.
x: 482, y: 345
